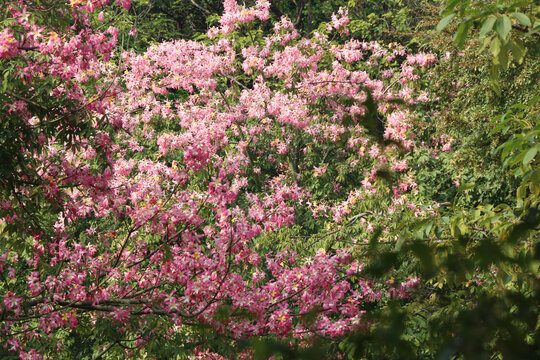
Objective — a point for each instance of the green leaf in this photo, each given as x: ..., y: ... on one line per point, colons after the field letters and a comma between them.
x: 454, y: 227
x: 495, y: 46
x: 521, y: 192
x: 463, y: 229
x: 517, y: 51
x: 461, y: 35
x: 487, y: 26
x: 5, y: 82
x: 529, y: 155
x: 517, y: 158
x: 450, y: 5
x: 503, y: 58
x: 444, y: 22
x: 465, y: 187
x: 485, y: 44
x: 400, y: 242
x: 535, y: 176
x: 494, y: 79
x: 522, y: 19
x: 503, y: 26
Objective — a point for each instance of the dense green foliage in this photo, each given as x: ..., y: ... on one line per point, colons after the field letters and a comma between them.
x: 159, y: 20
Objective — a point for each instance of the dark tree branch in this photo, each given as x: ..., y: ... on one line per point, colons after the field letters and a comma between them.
x: 206, y: 11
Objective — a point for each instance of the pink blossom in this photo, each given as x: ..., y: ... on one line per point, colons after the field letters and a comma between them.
x: 341, y: 19
x: 8, y: 44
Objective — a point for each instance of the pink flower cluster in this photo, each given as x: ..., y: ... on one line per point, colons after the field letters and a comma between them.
x: 339, y: 20
x: 234, y: 14
x: 8, y: 44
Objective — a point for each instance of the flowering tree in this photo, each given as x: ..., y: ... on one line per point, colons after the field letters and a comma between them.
x: 145, y: 193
